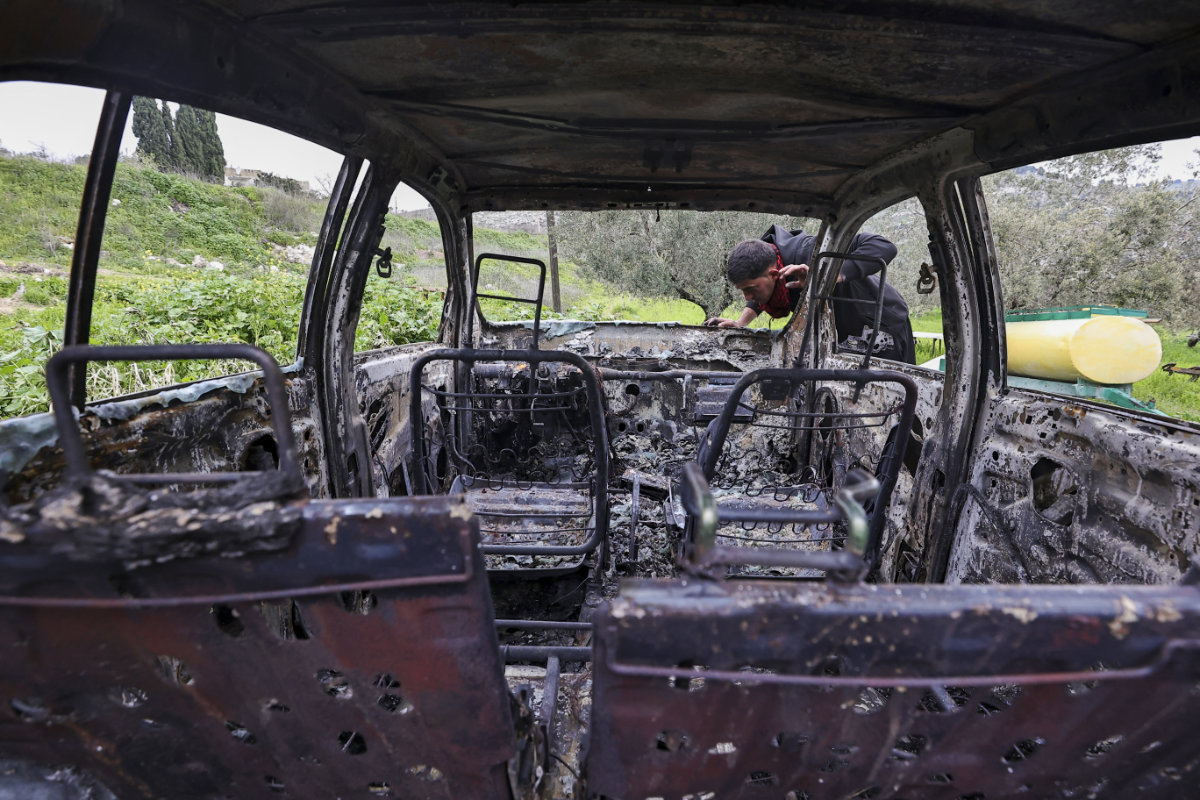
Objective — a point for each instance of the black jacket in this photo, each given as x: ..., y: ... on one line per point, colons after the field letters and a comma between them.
x: 859, y: 282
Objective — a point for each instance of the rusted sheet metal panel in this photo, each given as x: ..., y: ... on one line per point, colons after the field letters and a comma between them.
x: 361, y: 661
x: 888, y: 692
x: 214, y: 426
x: 1079, y: 493
x: 634, y: 345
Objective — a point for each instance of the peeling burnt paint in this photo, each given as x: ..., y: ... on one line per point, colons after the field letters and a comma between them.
x: 142, y: 684
x: 225, y: 428
x: 104, y: 520
x: 1082, y: 496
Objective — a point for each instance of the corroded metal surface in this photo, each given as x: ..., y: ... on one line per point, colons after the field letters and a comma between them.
x: 210, y: 426
x: 816, y: 691
x: 1068, y: 492
x: 527, y: 442
x: 347, y: 665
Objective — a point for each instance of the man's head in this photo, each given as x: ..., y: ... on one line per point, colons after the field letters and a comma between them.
x: 753, y: 267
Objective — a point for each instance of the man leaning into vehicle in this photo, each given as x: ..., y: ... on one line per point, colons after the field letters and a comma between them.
x: 772, y: 274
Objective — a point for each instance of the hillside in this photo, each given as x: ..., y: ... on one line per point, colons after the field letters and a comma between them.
x: 181, y: 260
x: 185, y: 260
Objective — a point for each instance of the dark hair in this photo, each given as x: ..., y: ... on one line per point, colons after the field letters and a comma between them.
x: 748, y: 260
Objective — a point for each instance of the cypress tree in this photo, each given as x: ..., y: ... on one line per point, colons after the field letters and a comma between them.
x: 171, y: 153
x: 189, y: 140
x: 153, y: 139
x: 214, y: 151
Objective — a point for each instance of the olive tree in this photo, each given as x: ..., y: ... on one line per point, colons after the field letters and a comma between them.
x: 663, y: 253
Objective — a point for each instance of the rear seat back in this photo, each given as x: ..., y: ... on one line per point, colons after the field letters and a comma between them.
x: 360, y: 659
x: 817, y: 690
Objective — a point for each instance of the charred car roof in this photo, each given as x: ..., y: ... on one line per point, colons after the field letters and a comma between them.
x: 726, y: 105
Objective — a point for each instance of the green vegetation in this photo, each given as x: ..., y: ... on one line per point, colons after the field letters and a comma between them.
x: 1175, y: 395
x: 186, y: 142
x: 148, y: 290
x: 161, y: 224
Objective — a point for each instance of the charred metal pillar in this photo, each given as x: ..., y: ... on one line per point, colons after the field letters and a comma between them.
x: 90, y: 231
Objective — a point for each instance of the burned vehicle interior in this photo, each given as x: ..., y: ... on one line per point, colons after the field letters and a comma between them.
x: 563, y: 559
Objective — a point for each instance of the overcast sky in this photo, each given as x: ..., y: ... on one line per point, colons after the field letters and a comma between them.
x: 62, y: 119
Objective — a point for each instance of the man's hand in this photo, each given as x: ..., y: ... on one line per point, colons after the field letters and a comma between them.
x: 795, y: 275
x: 721, y: 322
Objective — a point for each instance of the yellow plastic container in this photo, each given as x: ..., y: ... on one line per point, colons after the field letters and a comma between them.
x: 1102, y: 349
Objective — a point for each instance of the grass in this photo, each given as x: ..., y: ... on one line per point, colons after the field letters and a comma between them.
x: 1175, y: 395
x: 160, y: 218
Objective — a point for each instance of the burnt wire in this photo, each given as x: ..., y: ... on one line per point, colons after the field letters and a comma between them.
x: 526, y: 432
x: 787, y: 479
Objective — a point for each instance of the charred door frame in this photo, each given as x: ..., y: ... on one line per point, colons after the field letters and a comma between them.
x: 335, y: 300
x: 963, y: 252
x: 89, y: 233
x: 346, y: 441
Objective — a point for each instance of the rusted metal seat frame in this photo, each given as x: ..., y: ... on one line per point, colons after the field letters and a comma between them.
x: 597, y: 488
x: 58, y: 376
x: 340, y: 656
x: 804, y: 422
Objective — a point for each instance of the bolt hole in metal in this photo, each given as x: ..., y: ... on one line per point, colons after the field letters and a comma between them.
x: 175, y: 671
x: 687, y: 684
x: 391, y: 702
x: 352, y: 743
x: 261, y: 455
x: 240, y: 732
x: 229, y: 622
x: 671, y: 741
x: 334, y: 684
x: 907, y: 748
x: 1103, y: 747
x: 789, y: 742
x: 128, y: 696
x: 1023, y: 750
x: 761, y: 777
x: 358, y: 602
